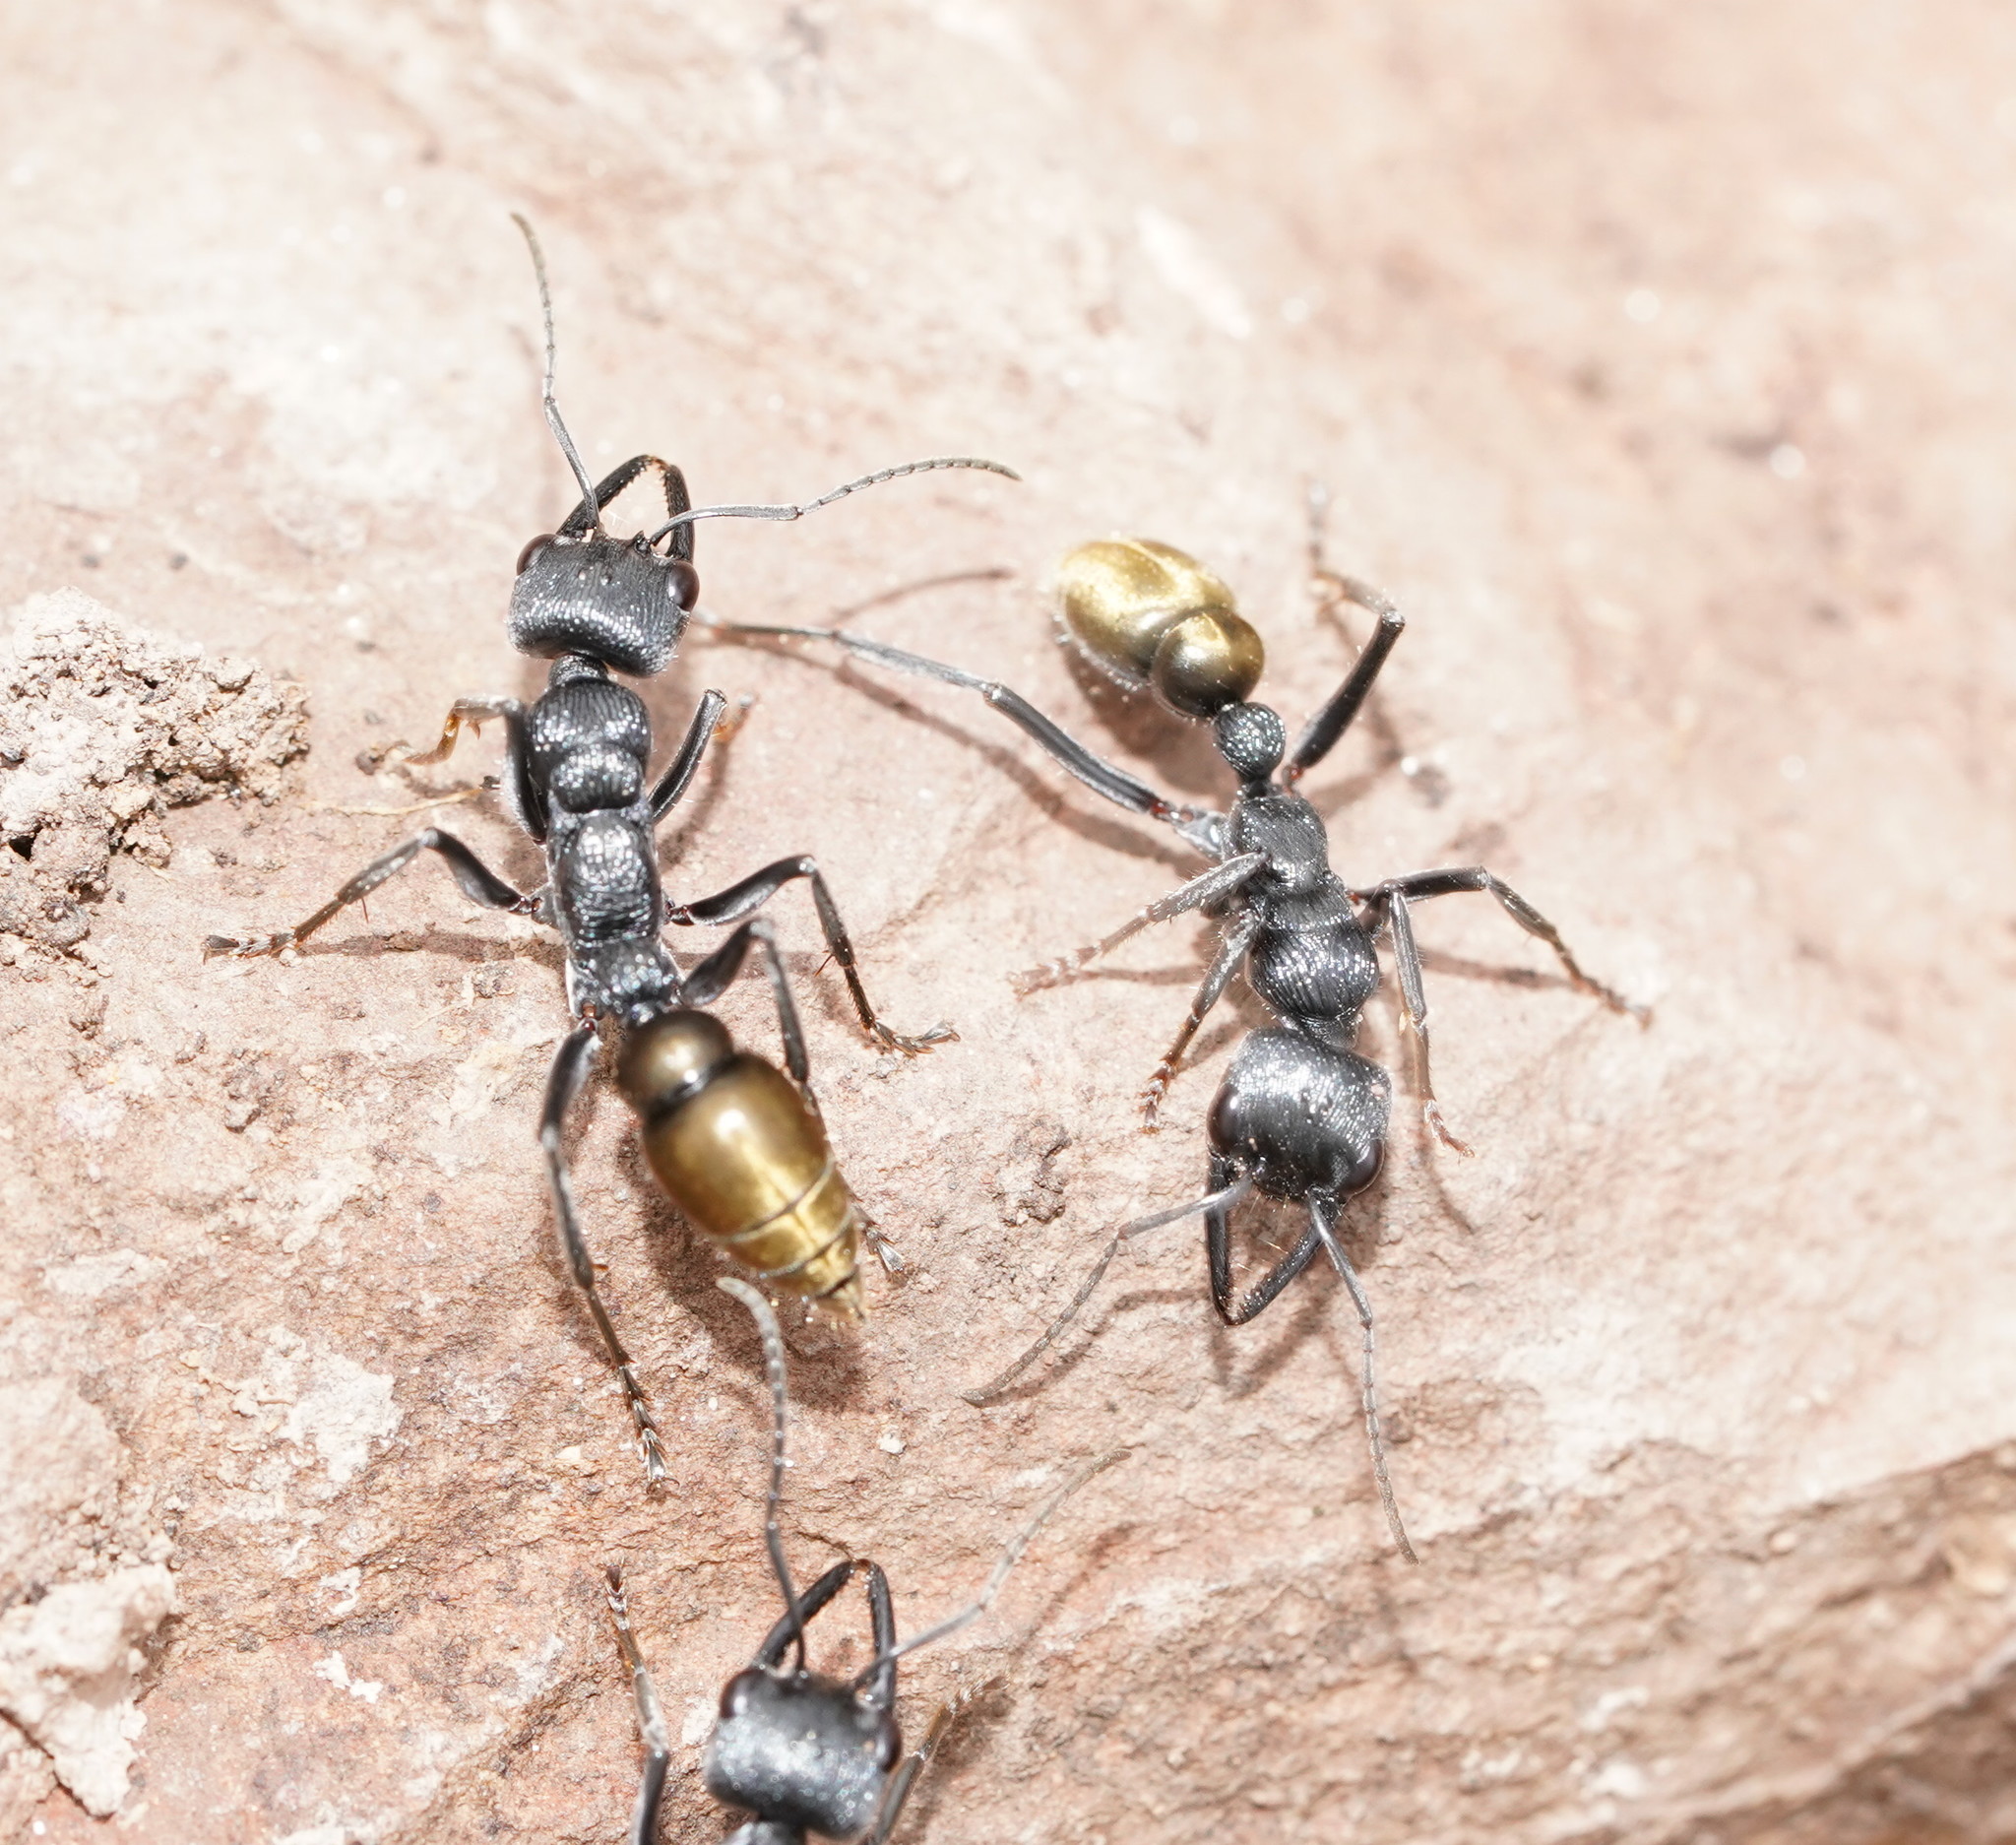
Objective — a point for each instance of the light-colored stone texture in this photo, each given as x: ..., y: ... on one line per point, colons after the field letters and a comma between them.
x: 103, y: 728
x: 1657, y: 361
x: 68, y: 1667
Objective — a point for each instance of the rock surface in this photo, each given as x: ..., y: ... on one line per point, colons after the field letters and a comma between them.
x: 1656, y: 362
x: 67, y: 1665
x: 105, y: 727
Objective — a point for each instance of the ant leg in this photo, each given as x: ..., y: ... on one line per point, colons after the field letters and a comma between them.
x: 1319, y: 737
x: 1228, y: 1192
x: 1474, y: 877
x: 920, y: 1758
x: 1231, y: 950
x: 479, y: 884
x: 1334, y: 588
x: 473, y: 712
x: 522, y: 791
x: 1206, y: 888
x: 1321, y: 1210
x: 1011, y: 1555
x: 1096, y: 774
x: 686, y: 764
x: 780, y: 1418
x: 1406, y: 957
x: 753, y: 892
x: 876, y: 1687
x: 651, y: 1720
x: 717, y: 974
x: 879, y: 1691
x: 570, y: 1071
x: 886, y: 1252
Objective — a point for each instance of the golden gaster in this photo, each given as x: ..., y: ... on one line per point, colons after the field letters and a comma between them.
x: 739, y: 1151
x: 1152, y: 616
x: 664, y: 1057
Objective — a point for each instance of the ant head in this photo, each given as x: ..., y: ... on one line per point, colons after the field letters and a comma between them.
x: 802, y: 1751
x: 1150, y: 616
x: 579, y: 590
x: 615, y: 600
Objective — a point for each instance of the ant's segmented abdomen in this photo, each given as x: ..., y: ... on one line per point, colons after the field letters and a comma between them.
x: 741, y: 1153
x: 1152, y: 616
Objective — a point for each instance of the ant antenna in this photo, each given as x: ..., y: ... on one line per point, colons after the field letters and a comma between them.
x: 1009, y: 1558
x: 553, y: 423
x: 1141, y: 1225
x: 1316, y: 502
x: 787, y: 512
x: 773, y: 1365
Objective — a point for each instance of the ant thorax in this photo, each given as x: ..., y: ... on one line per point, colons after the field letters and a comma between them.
x: 1290, y: 832
x: 590, y: 739
x: 626, y: 979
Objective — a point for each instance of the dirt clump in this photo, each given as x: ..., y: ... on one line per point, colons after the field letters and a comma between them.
x: 103, y: 728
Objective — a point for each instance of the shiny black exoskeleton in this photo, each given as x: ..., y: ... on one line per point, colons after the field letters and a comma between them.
x: 802, y: 1752
x: 740, y: 1149
x: 1299, y: 1115
x: 809, y: 1753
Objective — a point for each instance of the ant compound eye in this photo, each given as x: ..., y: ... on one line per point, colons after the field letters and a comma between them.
x: 531, y: 550
x: 682, y: 583
x: 735, y: 1695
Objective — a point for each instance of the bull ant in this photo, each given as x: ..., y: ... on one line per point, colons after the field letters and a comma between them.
x: 737, y: 1144
x: 1298, y: 1116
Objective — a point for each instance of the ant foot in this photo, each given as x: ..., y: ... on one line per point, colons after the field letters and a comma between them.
x: 1630, y: 1008
x: 886, y: 1252
x: 911, y: 1047
x: 1034, y: 980
x: 1431, y: 1112
x: 732, y: 718
x: 244, y: 947
x: 654, y: 1452
x: 376, y: 756
x: 1609, y: 997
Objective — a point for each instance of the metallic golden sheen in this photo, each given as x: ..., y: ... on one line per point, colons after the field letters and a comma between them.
x: 667, y: 1055
x: 746, y: 1161
x: 1207, y: 662
x: 1123, y: 601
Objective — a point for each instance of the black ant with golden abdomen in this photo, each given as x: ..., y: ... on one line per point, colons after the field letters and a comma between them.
x: 737, y: 1144
x: 1299, y: 1116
